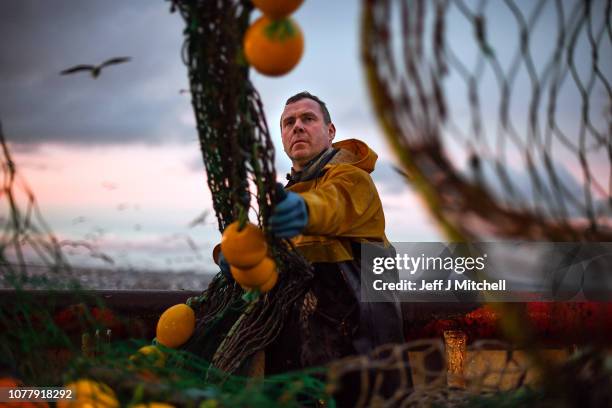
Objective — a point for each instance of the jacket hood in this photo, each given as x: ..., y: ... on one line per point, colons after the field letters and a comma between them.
x: 355, y: 152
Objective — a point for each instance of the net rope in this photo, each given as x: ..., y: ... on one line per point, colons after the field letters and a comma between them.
x: 26, y: 237
x: 499, y: 116
x: 480, y: 101
x: 238, y: 156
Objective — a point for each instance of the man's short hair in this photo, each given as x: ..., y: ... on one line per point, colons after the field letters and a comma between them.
x: 308, y: 95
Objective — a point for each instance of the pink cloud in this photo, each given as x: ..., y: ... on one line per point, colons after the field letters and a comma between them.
x: 72, y: 177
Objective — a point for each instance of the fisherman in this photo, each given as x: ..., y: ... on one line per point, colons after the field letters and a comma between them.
x: 331, y: 208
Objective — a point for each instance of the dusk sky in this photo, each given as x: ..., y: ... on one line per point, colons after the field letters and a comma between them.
x: 115, y: 161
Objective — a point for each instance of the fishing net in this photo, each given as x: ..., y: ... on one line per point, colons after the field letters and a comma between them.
x: 498, y: 113
x: 449, y: 373
x: 49, y: 341
x: 456, y: 359
x: 499, y: 116
x: 239, y: 159
x: 26, y: 237
x: 27, y: 246
x: 467, y: 181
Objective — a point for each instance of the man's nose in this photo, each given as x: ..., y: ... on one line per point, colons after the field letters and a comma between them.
x: 298, y: 126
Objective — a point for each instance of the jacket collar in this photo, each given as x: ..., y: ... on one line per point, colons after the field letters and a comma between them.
x: 312, y: 168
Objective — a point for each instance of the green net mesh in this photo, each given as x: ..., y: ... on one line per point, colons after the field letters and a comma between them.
x: 239, y: 159
x: 25, y: 234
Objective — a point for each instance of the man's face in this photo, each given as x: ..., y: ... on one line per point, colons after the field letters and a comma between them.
x: 304, y: 131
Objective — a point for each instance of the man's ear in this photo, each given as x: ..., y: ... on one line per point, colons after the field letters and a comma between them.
x: 332, y: 131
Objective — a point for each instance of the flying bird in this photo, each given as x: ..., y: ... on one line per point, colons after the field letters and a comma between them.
x: 95, y: 69
x: 200, y: 219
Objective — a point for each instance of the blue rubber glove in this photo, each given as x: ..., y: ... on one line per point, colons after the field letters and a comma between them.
x: 225, y: 268
x: 290, y: 216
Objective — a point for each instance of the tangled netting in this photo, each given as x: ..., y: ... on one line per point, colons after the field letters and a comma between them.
x: 499, y: 112
x: 25, y: 234
x: 487, y: 373
x: 48, y: 340
x: 239, y: 159
x: 51, y: 340
x: 500, y: 115
x: 28, y: 246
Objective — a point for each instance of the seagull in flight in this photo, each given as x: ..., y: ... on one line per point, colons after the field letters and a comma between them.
x: 200, y: 219
x: 95, y: 69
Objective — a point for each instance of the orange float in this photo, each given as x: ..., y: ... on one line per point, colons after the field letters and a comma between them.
x: 256, y: 275
x: 273, y: 47
x: 243, y: 248
x: 269, y: 285
x: 277, y: 8
x: 175, y: 325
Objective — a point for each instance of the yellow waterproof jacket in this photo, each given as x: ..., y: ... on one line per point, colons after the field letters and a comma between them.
x: 343, y: 205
